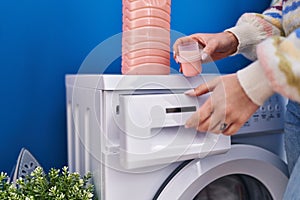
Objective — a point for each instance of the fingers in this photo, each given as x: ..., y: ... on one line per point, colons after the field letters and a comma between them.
x: 215, y: 123
x: 203, y: 88
x: 230, y: 105
x: 210, y: 46
x: 215, y: 46
x: 206, y: 119
x: 232, y: 129
x: 209, y: 50
x: 200, y: 116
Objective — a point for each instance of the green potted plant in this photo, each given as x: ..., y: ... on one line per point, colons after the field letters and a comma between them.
x: 55, y: 185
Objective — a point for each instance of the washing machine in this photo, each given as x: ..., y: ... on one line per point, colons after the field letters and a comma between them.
x: 129, y: 132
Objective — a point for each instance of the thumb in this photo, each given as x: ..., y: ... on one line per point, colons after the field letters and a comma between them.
x: 210, y: 45
x: 203, y: 88
x: 209, y: 50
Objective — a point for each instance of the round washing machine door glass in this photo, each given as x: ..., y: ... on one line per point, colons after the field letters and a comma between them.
x: 244, y: 172
x: 234, y: 187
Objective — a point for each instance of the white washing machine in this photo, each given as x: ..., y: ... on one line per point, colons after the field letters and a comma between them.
x: 128, y: 131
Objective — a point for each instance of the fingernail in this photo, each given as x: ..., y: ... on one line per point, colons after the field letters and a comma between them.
x: 190, y: 92
x: 174, y: 54
x: 204, y: 56
x: 188, y: 123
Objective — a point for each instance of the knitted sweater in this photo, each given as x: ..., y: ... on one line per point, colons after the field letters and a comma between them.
x: 273, y: 40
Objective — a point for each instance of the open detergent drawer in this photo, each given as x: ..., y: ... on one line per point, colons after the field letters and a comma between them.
x: 154, y: 132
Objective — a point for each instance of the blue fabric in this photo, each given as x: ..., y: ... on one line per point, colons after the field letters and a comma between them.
x: 293, y: 187
x: 292, y: 7
x: 292, y: 134
x: 274, y: 15
x: 297, y: 31
x: 292, y: 146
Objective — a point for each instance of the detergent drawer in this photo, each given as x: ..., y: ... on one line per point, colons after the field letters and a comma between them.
x: 154, y: 132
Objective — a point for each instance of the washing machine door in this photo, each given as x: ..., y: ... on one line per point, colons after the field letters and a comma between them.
x: 244, y: 172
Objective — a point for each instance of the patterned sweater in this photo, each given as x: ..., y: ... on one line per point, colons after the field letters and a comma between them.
x: 273, y: 40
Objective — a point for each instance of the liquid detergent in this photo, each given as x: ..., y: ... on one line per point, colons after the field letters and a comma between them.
x: 146, y: 37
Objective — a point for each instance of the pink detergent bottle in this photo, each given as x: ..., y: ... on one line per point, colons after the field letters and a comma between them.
x: 146, y: 37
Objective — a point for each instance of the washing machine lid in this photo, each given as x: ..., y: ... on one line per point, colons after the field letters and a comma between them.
x: 136, y: 82
x: 253, y: 161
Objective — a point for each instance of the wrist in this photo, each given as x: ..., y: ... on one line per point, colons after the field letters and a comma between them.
x: 255, y: 84
x: 232, y: 40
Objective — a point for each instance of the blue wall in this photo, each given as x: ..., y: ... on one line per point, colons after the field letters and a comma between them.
x: 42, y: 40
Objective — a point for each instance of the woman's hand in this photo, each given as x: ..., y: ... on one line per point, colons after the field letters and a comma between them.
x: 216, y: 46
x: 227, y: 108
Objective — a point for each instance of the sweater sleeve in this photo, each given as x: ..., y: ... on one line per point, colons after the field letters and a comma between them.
x: 277, y: 69
x: 253, y: 28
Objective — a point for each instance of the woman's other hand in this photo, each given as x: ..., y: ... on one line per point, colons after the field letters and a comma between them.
x: 226, y: 110
x: 216, y: 46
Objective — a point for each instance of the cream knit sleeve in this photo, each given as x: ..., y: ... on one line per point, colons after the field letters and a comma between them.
x: 253, y: 28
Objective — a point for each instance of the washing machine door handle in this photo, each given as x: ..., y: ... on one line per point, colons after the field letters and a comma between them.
x: 141, y: 114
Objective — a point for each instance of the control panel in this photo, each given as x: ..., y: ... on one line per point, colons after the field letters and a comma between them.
x: 269, y: 117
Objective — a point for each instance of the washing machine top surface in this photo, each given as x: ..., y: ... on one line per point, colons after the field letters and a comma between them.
x: 134, y: 82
